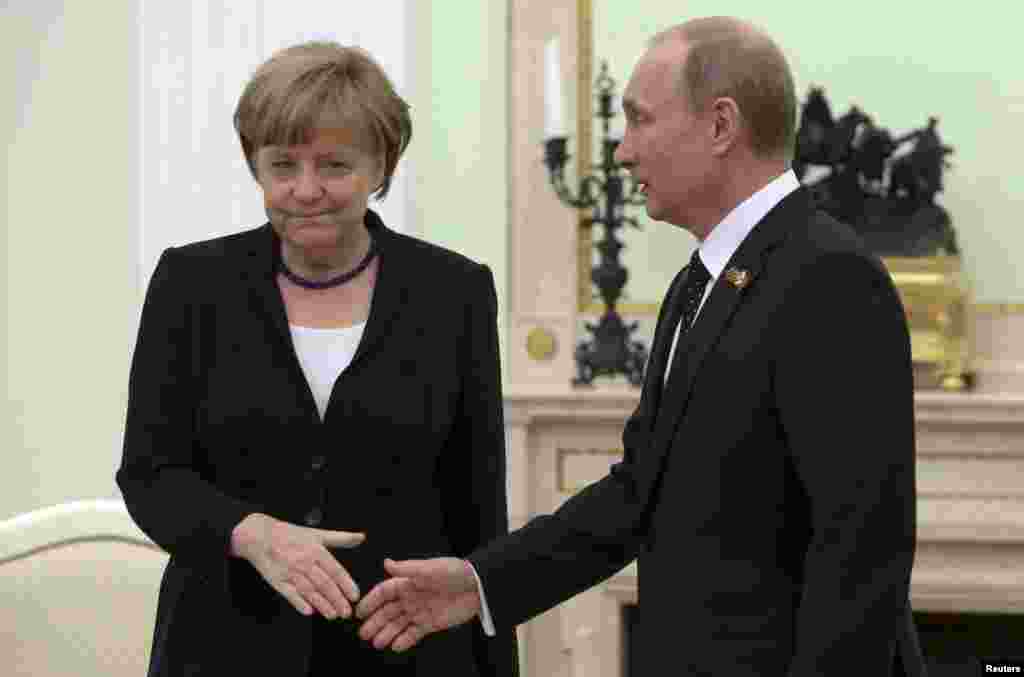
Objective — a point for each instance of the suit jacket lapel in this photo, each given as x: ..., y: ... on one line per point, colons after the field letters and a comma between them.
x: 260, y: 274
x: 668, y: 318
x: 722, y: 303
x: 391, y: 294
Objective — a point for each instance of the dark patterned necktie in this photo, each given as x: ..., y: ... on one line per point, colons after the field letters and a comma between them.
x: 697, y: 278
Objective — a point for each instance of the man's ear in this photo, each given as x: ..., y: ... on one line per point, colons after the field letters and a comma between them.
x: 726, y: 125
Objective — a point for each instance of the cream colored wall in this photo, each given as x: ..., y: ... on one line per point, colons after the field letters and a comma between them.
x: 67, y: 127
x: 459, y: 145
x: 899, y: 62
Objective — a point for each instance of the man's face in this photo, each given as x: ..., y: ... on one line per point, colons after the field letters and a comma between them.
x: 667, y: 147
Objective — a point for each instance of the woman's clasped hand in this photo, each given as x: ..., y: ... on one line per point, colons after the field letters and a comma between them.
x: 294, y: 560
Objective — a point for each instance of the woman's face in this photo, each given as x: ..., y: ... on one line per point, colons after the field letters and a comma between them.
x: 316, y: 194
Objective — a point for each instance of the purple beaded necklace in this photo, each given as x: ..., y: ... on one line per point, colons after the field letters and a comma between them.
x: 334, y: 281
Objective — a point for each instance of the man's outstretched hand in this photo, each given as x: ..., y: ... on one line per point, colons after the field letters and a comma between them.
x: 422, y: 597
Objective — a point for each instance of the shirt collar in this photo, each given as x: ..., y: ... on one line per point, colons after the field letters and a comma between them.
x: 725, y: 238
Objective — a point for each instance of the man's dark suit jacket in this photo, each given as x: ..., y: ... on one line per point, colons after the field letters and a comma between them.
x: 768, y: 493
x: 221, y: 423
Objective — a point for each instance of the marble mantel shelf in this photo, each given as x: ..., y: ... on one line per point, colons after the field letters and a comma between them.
x: 970, y: 410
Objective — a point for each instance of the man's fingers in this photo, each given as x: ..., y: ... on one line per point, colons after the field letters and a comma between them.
x: 339, y: 539
x: 386, y: 591
x: 381, y: 617
x: 409, y: 638
x: 392, y: 629
x: 339, y: 576
x: 446, y: 574
x: 329, y: 589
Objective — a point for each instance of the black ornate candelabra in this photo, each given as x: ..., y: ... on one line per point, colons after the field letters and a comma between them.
x: 612, y: 350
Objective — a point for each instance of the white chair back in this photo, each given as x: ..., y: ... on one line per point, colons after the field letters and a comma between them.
x: 78, y: 589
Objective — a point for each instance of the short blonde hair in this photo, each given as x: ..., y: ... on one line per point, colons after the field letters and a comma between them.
x: 727, y: 57
x: 306, y: 86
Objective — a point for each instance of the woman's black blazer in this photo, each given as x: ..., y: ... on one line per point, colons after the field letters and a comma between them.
x: 221, y: 423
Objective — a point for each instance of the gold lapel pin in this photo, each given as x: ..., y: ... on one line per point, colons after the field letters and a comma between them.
x: 738, y: 278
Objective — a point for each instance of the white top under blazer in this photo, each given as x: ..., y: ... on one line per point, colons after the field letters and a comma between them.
x: 324, y: 354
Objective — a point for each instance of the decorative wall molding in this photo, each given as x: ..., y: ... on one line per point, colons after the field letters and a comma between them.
x: 542, y: 247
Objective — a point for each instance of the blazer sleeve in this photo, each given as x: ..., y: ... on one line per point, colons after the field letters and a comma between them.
x: 473, y: 464
x: 159, y: 474
x: 844, y: 391
x: 589, y: 538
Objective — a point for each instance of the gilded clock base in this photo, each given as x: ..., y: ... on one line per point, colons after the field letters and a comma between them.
x: 954, y: 383
x: 934, y: 297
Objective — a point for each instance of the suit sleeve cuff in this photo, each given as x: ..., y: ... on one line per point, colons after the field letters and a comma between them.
x: 485, y: 612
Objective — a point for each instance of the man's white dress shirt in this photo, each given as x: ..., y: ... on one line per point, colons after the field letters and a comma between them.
x: 725, y: 238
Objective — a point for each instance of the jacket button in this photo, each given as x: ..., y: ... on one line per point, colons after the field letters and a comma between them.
x: 314, y: 517
x: 318, y: 462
